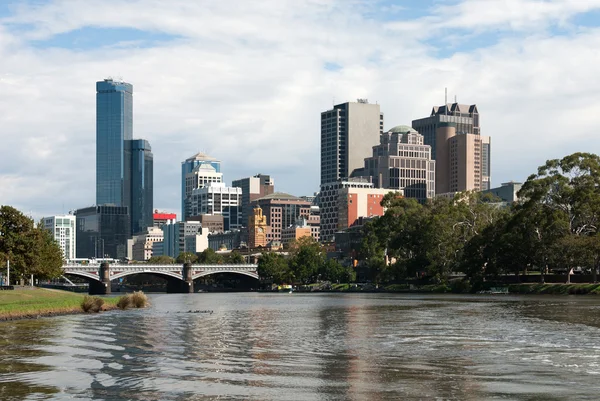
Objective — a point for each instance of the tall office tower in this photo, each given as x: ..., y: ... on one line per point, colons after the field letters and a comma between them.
x: 342, y: 202
x: 459, y: 164
x: 253, y: 188
x: 174, y: 235
x: 466, y: 119
x: 114, y: 126
x: 63, y: 231
x: 208, y: 169
x: 347, y: 133
x: 402, y: 162
x: 142, y: 186
x: 102, y: 231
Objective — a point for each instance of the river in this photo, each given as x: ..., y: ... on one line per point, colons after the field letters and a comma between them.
x: 256, y: 346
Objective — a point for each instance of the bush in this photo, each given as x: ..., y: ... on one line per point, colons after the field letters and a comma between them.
x: 460, y: 286
x: 92, y: 304
x: 139, y: 299
x: 124, y: 302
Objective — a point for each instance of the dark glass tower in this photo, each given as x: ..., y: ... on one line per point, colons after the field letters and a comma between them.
x: 142, y: 166
x: 114, y: 126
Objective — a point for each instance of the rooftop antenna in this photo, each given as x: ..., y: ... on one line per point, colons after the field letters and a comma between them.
x: 446, y: 101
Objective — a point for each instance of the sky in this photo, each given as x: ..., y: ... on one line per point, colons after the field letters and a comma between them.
x: 246, y: 81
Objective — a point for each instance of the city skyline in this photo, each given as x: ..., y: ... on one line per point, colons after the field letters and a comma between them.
x: 246, y: 109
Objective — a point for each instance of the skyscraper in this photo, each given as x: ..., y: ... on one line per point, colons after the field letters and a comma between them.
x: 466, y: 121
x: 348, y: 132
x: 142, y: 185
x: 210, y: 167
x: 253, y: 188
x: 114, y: 126
x: 63, y: 231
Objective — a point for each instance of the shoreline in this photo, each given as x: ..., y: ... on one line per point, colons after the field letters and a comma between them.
x: 50, y: 313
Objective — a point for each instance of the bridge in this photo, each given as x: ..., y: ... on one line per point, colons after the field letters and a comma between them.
x: 180, y: 279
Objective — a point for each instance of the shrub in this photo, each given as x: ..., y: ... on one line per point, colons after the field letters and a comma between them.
x: 124, y: 302
x: 92, y: 304
x: 139, y: 299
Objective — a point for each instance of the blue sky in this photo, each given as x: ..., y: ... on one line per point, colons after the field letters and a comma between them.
x: 246, y: 82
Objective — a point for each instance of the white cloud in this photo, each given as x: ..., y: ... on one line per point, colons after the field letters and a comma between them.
x: 245, y: 82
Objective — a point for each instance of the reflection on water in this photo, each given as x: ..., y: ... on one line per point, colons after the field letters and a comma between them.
x: 311, y: 347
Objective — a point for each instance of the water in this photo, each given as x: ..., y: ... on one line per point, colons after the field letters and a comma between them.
x: 311, y: 347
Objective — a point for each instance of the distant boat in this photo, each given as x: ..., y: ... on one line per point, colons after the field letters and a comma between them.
x: 285, y: 288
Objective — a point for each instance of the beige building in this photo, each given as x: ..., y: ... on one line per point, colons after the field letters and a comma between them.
x: 143, y: 244
x: 347, y: 133
x: 343, y: 202
x: 402, y: 162
x: 459, y: 165
x: 295, y: 232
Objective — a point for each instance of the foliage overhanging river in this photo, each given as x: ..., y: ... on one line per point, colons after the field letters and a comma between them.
x: 257, y: 346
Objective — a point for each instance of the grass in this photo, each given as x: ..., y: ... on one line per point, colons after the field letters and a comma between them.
x: 135, y: 300
x: 565, y: 289
x: 39, y: 302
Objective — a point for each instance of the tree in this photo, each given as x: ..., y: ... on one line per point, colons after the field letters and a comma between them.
x: 235, y: 258
x: 161, y: 260
x: 306, y: 259
x: 187, y: 257
x: 274, y: 267
x: 210, y: 257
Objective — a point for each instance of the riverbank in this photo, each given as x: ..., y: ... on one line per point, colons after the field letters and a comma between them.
x: 39, y: 302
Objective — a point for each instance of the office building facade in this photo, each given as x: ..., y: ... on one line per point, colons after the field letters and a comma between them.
x: 401, y: 162
x: 218, y: 199
x: 102, y: 231
x: 253, y: 188
x: 63, y: 229
x: 281, y: 211
x: 348, y: 131
x: 142, y: 186
x: 466, y: 121
x: 343, y: 202
x: 188, y: 167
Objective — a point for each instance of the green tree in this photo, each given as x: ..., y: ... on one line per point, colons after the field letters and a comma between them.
x: 161, y: 260
x: 235, y: 258
x: 274, y: 267
x: 187, y: 257
x: 210, y: 257
x: 307, y: 257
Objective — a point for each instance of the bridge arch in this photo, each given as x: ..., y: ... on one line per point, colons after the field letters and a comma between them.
x: 208, y: 273
x: 87, y: 275
x: 163, y: 274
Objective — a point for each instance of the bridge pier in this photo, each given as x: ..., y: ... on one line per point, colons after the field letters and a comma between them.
x: 182, y: 287
x: 103, y: 286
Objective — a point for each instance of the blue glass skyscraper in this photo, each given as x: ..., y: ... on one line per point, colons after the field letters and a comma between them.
x: 114, y: 126
x: 142, y: 170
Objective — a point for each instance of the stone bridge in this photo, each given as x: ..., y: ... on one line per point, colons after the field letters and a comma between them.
x: 180, y: 279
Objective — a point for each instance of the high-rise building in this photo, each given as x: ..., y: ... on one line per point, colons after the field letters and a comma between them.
x: 253, y: 188
x: 102, y: 231
x: 175, y: 234
x: 143, y: 245
x: 114, y: 126
x: 64, y: 232
x: 218, y: 199
x: 343, y: 202
x: 187, y: 182
x: 281, y: 210
x: 402, y: 162
x: 142, y: 186
x: 124, y: 166
x: 459, y: 164
x: 347, y: 133
x: 466, y: 120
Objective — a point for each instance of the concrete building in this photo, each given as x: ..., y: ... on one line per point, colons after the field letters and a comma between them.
x: 295, y: 232
x: 253, y: 188
x: 214, y: 223
x: 507, y: 192
x: 281, y: 210
x: 343, y: 202
x: 160, y: 218
x: 64, y: 232
x: 197, y: 243
x: 402, y: 162
x: 229, y: 240
x: 347, y: 133
x: 175, y: 235
x: 102, y: 231
x: 221, y: 200
x: 314, y: 222
x: 143, y: 245
x: 466, y: 121
x: 188, y: 166
x: 459, y: 164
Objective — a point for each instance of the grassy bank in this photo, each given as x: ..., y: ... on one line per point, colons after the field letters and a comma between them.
x: 25, y: 303
x: 565, y: 289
